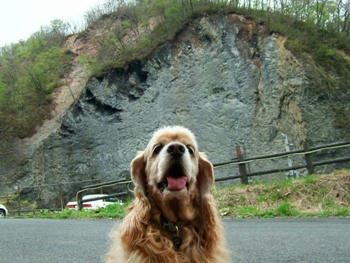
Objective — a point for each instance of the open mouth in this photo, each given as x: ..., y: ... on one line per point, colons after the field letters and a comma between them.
x: 173, y: 183
x: 175, y: 180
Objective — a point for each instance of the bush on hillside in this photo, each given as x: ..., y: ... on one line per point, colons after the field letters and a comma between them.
x: 29, y: 72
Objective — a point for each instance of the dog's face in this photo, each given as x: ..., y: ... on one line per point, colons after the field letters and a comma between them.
x: 172, y: 173
x: 172, y: 161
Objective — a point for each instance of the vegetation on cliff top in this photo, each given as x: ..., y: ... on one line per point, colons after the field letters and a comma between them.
x: 32, y: 69
x: 29, y: 72
x: 318, y: 28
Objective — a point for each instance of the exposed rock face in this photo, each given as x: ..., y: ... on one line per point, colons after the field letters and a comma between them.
x: 223, y: 77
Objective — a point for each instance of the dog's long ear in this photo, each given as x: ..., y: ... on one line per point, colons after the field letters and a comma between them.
x: 205, y: 176
x: 133, y: 229
x: 138, y: 172
x: 208, y: 217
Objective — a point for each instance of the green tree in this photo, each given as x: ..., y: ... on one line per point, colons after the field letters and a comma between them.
x: 29, y: 72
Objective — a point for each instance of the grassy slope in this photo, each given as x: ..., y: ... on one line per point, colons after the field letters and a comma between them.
x: 314, y: 195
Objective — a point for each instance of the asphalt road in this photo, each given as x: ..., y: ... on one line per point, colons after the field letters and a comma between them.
x: 264, y: 240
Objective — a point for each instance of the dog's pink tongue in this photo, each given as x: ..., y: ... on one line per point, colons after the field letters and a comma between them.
x: 177, y: 183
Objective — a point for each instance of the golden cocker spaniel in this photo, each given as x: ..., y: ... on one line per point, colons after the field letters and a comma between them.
x: 173, y: 217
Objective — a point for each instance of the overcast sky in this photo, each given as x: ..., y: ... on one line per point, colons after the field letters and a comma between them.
x: 21, y: 18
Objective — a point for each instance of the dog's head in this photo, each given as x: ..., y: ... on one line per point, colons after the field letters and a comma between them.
x: 172, y: 173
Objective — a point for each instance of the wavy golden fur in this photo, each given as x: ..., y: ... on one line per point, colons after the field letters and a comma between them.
x: 142, y: 236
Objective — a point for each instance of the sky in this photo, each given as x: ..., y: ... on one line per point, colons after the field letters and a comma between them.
x: 21, y: 18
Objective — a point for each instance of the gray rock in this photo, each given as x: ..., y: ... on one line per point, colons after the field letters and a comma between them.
x: 222, y: 77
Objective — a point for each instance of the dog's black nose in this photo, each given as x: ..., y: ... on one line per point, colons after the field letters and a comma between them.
x: 176, y: 150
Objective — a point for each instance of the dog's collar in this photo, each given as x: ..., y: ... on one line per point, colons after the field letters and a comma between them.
x: 174, y: 229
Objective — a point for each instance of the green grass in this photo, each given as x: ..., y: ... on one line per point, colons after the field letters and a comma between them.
x: 111, y: 211
x: 285, y: 209
x: 261, y: 199
x: 313, y: 195
x: 310, y: 179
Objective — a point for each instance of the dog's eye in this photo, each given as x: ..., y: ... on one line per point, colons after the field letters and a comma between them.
x: 157, y: 149
x: 190, y: 149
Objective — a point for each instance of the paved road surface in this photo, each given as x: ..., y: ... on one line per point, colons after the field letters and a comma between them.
x: 264, y: 240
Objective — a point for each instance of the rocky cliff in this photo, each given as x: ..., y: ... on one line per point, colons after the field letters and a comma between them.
x: 224, y: 77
